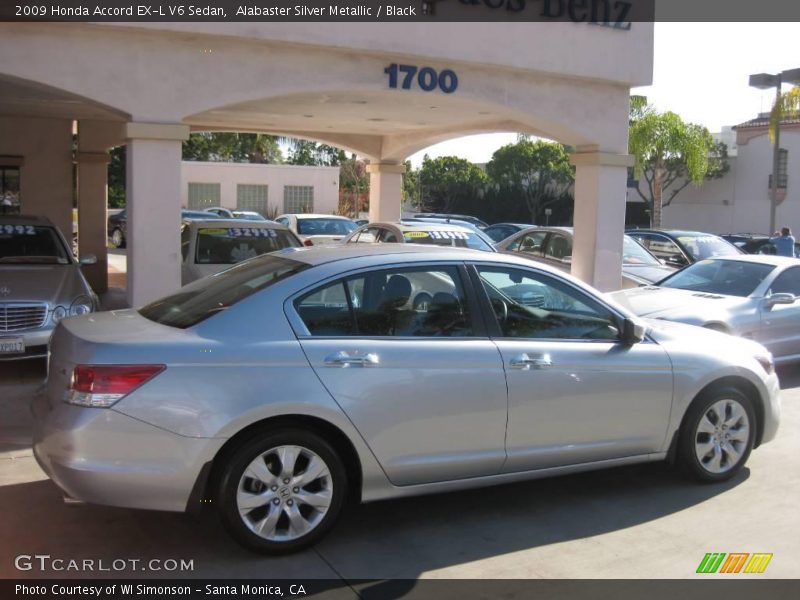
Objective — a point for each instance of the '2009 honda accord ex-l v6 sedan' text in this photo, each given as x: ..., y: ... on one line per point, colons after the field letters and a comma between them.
x: 292, y: 381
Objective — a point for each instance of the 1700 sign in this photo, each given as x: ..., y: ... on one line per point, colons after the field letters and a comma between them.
x: 426, y: 78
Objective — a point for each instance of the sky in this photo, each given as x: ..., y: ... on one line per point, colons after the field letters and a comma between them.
x: 700, y: 71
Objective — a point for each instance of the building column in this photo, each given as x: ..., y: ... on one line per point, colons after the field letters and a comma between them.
x: 153, y: 201
x: 385, y: 191
x: 92, y: 202
x: 599, y: 221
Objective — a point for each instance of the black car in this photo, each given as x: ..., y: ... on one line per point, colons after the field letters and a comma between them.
x: 679, y: 248
x: 118, y: 224
x: 755, y: 243
x: 500, y: 231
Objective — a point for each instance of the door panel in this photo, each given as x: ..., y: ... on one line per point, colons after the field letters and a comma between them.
x: 780, y: 324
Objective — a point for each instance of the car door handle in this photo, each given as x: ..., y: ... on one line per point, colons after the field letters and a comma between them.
x: 527, y: 362
x: 343, y: 359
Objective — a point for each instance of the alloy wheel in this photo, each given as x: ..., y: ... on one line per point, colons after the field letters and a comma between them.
x: 722, y: 435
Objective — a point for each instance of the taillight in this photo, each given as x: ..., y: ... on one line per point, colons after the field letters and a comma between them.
x: 100, y: 386
x: 308, y: 243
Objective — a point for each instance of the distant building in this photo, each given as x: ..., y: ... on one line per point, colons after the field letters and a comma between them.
x: 739, y: 201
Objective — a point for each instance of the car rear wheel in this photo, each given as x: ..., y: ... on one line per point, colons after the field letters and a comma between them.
x: 117, y: 238
x: 717, y: 435
x: 282, y: 492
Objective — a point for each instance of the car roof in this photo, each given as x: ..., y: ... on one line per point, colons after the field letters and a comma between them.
x: 25, y: 220
x: 764, y: 259
x: 319, y: 255
x: 672, y: 232
x: 228, y: 223
x: 315, y: 216
x: 423, y: 226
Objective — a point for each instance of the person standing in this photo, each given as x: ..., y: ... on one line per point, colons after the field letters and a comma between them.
x: 784, y: 242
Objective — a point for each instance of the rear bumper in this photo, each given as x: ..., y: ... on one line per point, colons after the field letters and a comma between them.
x: 101, y: 456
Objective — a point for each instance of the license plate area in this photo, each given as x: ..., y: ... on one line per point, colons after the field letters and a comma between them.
x: 15, y: 345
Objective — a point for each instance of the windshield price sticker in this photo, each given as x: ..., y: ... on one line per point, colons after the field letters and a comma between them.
x: 18, y: 229
x: 252, y: 232
x: 448, y: 235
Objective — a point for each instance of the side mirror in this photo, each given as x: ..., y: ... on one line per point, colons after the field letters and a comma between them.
x: 89, y: 259
x: 633, y: 332
x: 780, y: 298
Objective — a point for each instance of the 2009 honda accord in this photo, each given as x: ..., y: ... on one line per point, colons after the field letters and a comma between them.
x: 296, y: 379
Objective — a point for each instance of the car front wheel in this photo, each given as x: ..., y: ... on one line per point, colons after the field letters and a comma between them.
x: 282, y: 492
x: 717, y: 435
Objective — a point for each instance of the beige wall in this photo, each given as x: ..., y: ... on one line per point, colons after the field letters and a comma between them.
x: 46, y: 181
x: 325, y: 181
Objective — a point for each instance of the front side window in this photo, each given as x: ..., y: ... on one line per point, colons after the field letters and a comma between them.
x: 536, y: 306
x: 787, y: 282
x: 230, y: 245
x: 426, y: 302
x: 31, y: 244
x: 559, y: 247
x: 209, y: 296
x: 662, y: 247
x: 530, y: 243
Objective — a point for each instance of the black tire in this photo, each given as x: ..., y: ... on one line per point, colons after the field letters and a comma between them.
x: 232, y: 476
x: 121, y: 242
x: 690, y: 436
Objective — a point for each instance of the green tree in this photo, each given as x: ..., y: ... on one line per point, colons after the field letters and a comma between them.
x: 306, y: 152
x: 538, y: 172
x: 671, y: 154
x: 411, y: 190
x: 353, y: 185
x: 232, y: 147
x: 449, y: 180
x: 786, y: 106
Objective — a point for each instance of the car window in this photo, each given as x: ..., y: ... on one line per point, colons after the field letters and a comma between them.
x: 424, y: 302
x: 707, y: 246
x: 388, y: 237
x: 459, y: 239
x: 727, y: 277
x: 208, y: 296
x: 534, y: 305
x: 230, y: 245
x: 322, y: 226
x: 367, y: 236
x: 661, y: 247
x: 634, y: 254
x: 186, y: 237
x: 282, y: 220
x: 787, y: 282
x: 559, y: 247
x: 530, y: 243
x: 499, y: 232
x: 31, y: 244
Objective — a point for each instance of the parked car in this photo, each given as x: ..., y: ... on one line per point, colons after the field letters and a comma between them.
x: 753, y: 296
x: 316, y: 230
x: 280, y: 387
x: 40, y: 284
x: 420, y: 232
x: 755, y: 243
x: 680, y: 248
x: 468, y: 218
x: 220, y: 211
x: 118, y: 225
x: 500, y: 231
x: 471, y: 226
x: 361, y: 222
x: 213, y: 245
x: 553, y: 245
x: 249, y: 215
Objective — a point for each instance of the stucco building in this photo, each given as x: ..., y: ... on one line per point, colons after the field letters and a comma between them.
x: 148, y: 85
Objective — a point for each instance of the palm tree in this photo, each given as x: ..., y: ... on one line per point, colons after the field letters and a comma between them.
x: 787, y: 105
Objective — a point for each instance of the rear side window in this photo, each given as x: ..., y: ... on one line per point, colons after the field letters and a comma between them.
x: 428, y: 302
x: 211, y: 295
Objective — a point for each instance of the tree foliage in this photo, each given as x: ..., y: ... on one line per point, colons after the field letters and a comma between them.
x: 233, y: 147
x: 537, y: 172
x: 306, y: 152
x: 671, y: 154
x: 353, y: 186
x: 786, y: 106
x: 446, y: 180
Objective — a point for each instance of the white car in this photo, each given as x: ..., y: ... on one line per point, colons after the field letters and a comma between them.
x: 213, y: 245
x: 318, y: 230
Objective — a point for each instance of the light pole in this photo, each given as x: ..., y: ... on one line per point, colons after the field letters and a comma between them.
x: 765, y: 81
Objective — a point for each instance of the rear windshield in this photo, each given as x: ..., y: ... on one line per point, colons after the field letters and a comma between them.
x: 707, y: 246
x: 457, y: 239
x: 324, y: 226
x: 230, y: 245
x: 211, y: 295
x: 31, y: 244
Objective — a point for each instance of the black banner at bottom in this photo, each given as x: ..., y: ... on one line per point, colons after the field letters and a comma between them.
x: 732, y: 588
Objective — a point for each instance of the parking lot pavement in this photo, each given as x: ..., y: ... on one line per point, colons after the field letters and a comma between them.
x: 634, y: 522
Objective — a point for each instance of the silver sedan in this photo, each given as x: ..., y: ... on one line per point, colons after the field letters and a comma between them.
x: 290, y: 382
x: 753, y: 296
x: 40, y: 284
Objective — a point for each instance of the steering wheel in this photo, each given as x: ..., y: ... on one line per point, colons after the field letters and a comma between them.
x: 500, y: 309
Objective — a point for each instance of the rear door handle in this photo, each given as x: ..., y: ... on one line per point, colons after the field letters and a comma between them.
x: 527, y: 362
x: 343, y: 359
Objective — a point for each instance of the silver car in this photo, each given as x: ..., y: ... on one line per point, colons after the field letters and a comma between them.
x: 290, y: 382
x: 40, y: 284
x: 553, y: 246
x: 750, y: 295
x: 417, y: 231
x: 209, y: 246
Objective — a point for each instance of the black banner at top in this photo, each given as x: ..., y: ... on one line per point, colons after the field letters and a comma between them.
x: 617, y: 13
